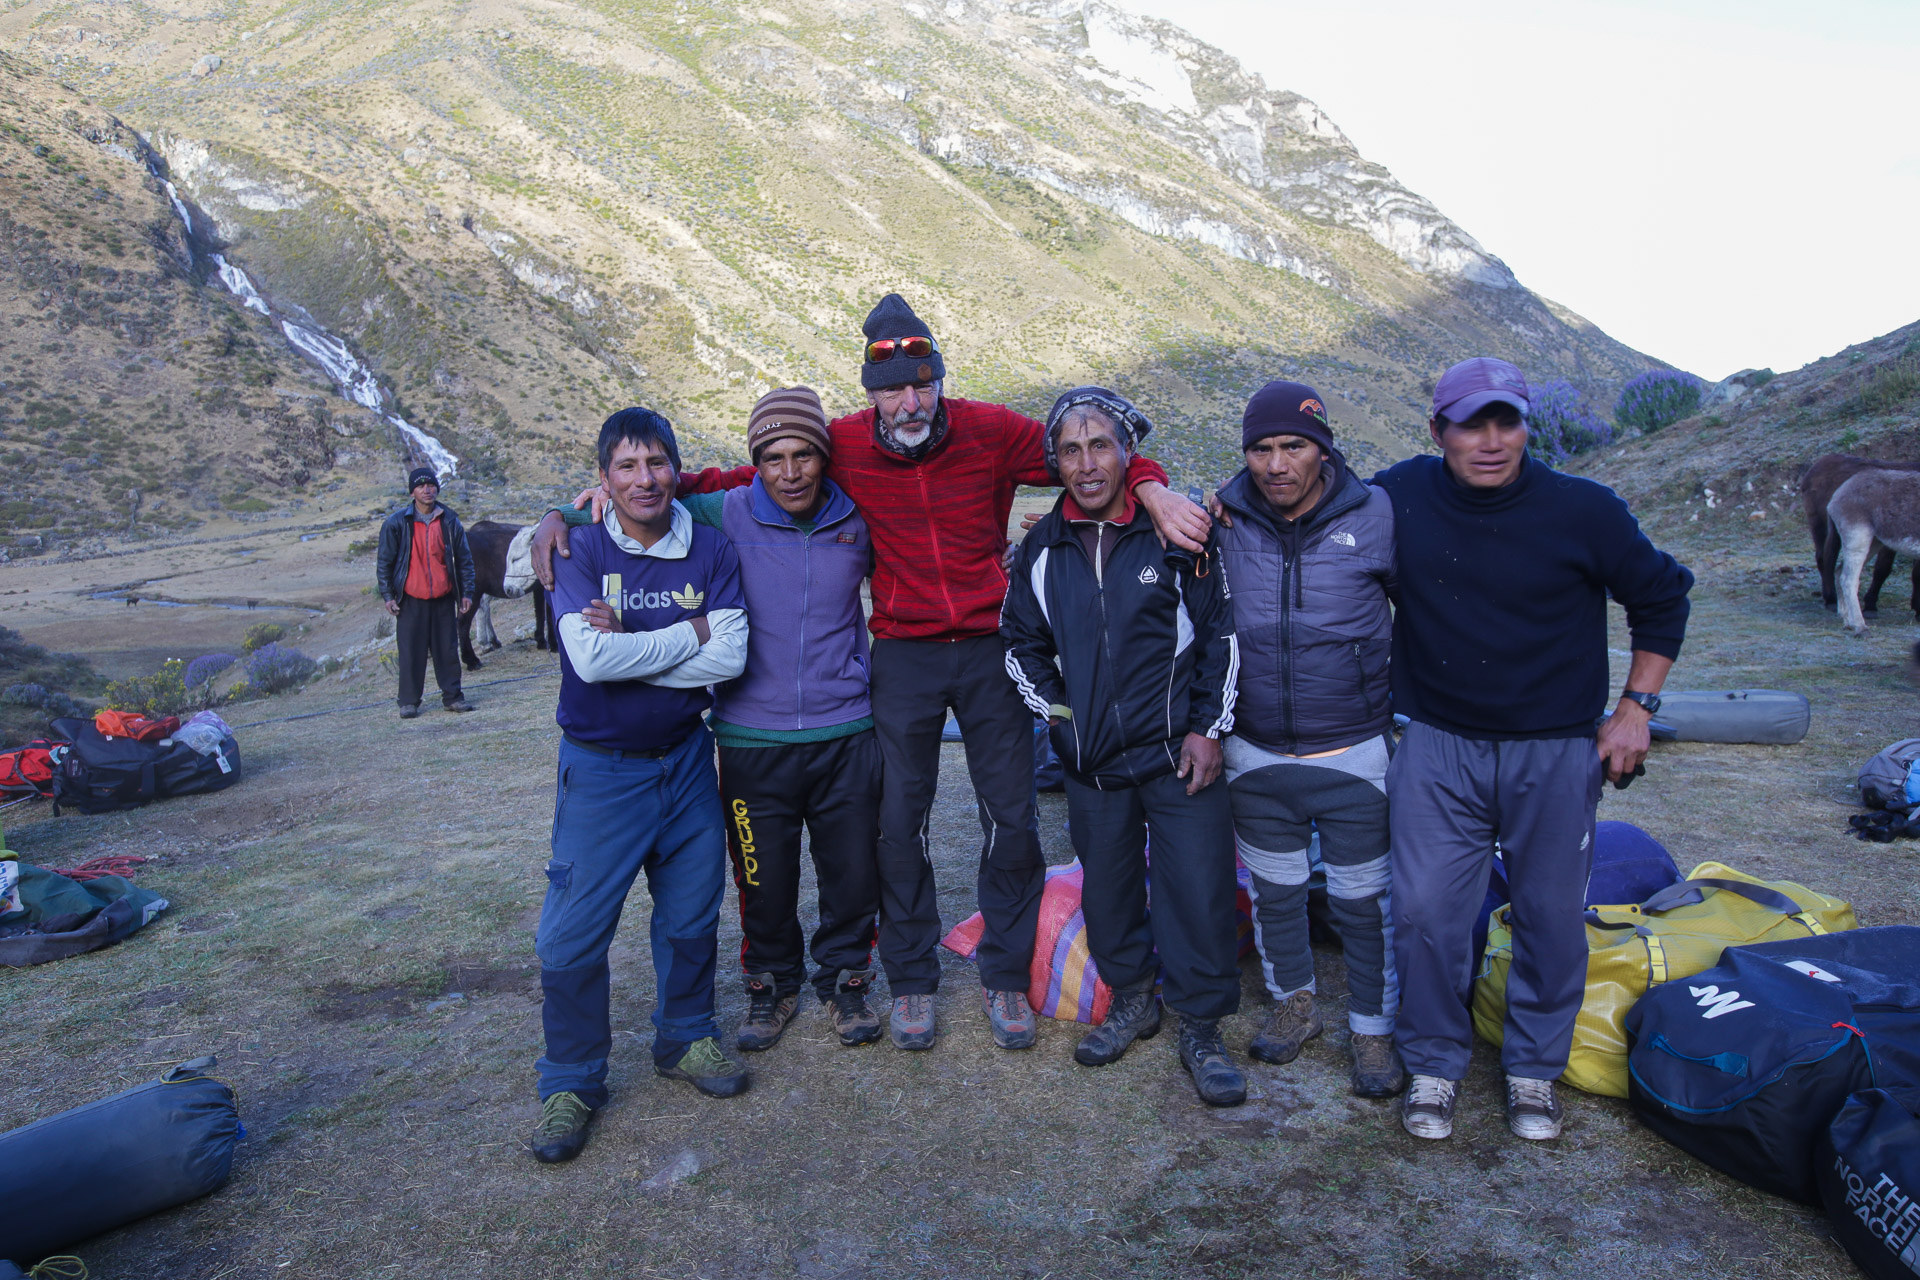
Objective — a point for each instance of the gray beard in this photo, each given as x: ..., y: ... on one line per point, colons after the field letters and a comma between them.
x: 913, y: 434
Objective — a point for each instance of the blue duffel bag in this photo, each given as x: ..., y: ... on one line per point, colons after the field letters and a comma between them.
x: 1745, y: 1064
x: 108, y: 1163
x: 1867, y: 1166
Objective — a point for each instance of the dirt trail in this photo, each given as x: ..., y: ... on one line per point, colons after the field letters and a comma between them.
x: 351, y: 932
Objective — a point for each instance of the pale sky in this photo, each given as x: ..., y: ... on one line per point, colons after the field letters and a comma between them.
x: 1722, y: 184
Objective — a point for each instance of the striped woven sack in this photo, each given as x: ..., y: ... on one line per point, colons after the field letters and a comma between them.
x: 1065, y: 982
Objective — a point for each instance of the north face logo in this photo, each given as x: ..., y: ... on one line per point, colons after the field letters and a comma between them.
x: 1342, y: 537
x: 1149, y: 575
x: 1716, y: 1002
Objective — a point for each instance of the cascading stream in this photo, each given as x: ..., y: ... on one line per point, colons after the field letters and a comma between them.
x: 356, y: 381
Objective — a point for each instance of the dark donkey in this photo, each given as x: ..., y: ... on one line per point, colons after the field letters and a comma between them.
x: 1817, y: 484
x: 491, y: 543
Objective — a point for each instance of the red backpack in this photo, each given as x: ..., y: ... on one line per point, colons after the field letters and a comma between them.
x: 28, y: 770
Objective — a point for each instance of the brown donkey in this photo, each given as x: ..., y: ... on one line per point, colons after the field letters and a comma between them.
x: 1873, y: 506
x: 1817, y: 484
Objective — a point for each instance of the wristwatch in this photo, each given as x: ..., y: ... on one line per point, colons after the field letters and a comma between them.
x: 1649, y: 702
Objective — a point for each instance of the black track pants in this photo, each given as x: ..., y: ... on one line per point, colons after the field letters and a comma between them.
x: 1191, y: 924
x: 832, y: 789
x: 428, y: 627
x: 914, y: 683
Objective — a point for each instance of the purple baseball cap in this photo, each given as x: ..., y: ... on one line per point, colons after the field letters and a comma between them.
x: 1472, y: 385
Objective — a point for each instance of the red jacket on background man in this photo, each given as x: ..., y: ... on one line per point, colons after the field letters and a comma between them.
x: 939, y: 525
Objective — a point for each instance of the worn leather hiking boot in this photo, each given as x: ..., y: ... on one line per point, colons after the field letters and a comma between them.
x: 1292, y: 1023
x: 410, y: 712
x: 1427, y: 1111
x: 854, y: 1018
x: 458, y: 704
x: 1377, y: 1069
x: 1011, y: 1018
x: 1533, y: 1109
x: 562, y: 1131
x: 1215, y: 1077
x: 768, y: 1013
x: 706, y: 1066
x: 913, y: 1025
x: 1134, y: 1015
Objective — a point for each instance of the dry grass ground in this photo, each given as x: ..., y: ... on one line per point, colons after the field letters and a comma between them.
x: 351, y: 932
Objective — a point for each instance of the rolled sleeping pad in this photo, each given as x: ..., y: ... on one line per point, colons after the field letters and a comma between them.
x: 1771, y: 717
x: 108, y: 1163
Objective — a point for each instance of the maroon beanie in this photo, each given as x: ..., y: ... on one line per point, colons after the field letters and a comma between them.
x: 1286, y: 409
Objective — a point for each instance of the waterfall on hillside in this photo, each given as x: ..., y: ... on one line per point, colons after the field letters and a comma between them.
x: 356, y: 381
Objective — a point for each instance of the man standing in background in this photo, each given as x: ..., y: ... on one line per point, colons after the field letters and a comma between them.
x: 423, y: 565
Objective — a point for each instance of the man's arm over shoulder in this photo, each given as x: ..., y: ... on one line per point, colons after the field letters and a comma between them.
x: 1208, y: 598
x: 1027, y: 633
x: 1647, y: 582
x: 715, y: 479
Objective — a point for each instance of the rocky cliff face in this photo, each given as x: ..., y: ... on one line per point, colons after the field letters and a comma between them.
x: 522, y: 215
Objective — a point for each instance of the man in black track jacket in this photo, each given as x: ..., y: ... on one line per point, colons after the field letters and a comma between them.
x: 1127, y: 648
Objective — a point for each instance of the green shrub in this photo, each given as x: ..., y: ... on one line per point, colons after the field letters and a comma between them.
x: 1892, y: 385
x: 262, y: 633
x: 164, y: 693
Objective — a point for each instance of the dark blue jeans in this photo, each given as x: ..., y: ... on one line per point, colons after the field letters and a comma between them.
x: 612, y: 819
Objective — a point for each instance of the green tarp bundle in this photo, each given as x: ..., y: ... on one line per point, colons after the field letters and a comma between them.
x: 47, y: 916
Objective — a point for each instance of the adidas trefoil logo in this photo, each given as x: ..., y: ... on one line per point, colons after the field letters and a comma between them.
x: 1149, y: 575
x: 688, y: 598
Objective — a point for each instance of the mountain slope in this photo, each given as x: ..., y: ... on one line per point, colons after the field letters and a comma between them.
x: 524, y: 214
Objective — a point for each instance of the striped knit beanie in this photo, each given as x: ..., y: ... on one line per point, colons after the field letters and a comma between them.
x: 787, y: 411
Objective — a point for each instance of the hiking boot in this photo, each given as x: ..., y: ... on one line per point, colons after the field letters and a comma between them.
x: 768, y: 1013
x: 562, y: 1131
x: 1292, y: 1023
x: 1218, y: 1082
x: 1428, y: 1109
x: 913, y: 1022
x: 1533, y: 1109
x: 458, y: 704
x: 1134, y: 1015
x: 706, y: 1066
x: 1377, y: 1069
x: 1011, y: 1018
x: 410, y: 712
x: 854, y: 1019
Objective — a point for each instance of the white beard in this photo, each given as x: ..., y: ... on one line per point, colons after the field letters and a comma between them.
x: 913, y: 434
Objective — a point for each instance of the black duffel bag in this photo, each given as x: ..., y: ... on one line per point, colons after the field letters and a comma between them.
x: 98, y: 774
x: 1745, y: 1064
x: 1867, y: 1165
x: 103, y: 1165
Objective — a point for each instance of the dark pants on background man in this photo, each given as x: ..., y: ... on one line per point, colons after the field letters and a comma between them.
x: 428, y: 627
x: 1190, y: 922
x: 831, y: 791
x: 914, y: 682
x: 1450, y: 798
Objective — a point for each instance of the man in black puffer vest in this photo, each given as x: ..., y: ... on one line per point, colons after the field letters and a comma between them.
x: 1308, y: 547
x: 1138, y: 701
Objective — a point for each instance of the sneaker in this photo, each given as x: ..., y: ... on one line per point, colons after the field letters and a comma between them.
x: 562, y: 1131
x: 1428, y: 1110
x: 1533, y: 1109
x: 913, y: 1022
x: 1292, y: 1023
x: 706, y: 1066
x: 411, y: 712
x: 1377, y: 1069
x: 459, y: 704
x: 1215, y: 1078
x: 1011, y: 1018
x: 854, y: 1019
x: 768, y: 1013
x: 1134, y: 1015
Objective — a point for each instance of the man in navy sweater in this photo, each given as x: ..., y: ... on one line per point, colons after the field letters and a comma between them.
x: 650, y: 612
x: 1500, y: 662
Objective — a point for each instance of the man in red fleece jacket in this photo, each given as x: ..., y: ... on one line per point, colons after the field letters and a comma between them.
x: 934, y: 479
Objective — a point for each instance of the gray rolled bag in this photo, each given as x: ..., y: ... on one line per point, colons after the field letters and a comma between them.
x: 1771, y: 717
x: 111, y: 1162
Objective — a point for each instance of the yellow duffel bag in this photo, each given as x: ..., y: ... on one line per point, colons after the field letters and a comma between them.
x: 1676, y: 933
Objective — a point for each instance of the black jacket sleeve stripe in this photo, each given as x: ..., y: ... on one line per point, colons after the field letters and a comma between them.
x: 1028, y: 635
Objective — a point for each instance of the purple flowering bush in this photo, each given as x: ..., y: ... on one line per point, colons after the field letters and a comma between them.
x: 1562, y: 423
x: 204, y: 668
x: 275, y: 668
x: 1657, y: 398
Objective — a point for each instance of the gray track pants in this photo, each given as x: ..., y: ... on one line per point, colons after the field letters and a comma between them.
x: 1450, y: 798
